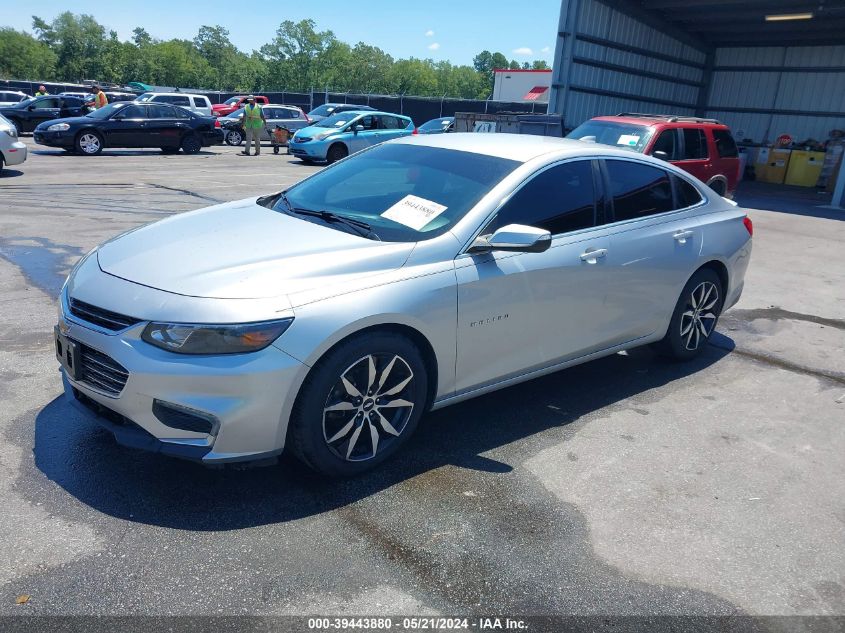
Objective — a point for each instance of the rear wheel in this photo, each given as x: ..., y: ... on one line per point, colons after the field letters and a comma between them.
x: 337, y: 152
x: 694, y: 318
x: 360, y: 404
x: 234, y: 138
x: 89, y: 143
x: 191, y: 144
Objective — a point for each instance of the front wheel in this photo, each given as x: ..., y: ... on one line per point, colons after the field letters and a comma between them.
x: 694, y: 318
x: 89, y: 143
x: 234, y: 138
x: 360, y: 404
x: 336, y: 153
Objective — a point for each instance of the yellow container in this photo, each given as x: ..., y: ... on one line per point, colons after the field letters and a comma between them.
x: 804, y: 168
x: 774, y: 168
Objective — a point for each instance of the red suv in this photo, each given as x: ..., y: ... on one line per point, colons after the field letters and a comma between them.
x: 702, y: 147
x: 230, y: 105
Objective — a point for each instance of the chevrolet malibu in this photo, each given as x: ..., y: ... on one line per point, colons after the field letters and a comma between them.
x: 326, y: 319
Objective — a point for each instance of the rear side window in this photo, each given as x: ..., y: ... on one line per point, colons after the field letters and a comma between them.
x: 688, y: 195
x: 200, y: 102
x: 725, y: 145
x: 638, y: 190
x: 695, y: 144
x: 559, y: 200
x: 175, y: 100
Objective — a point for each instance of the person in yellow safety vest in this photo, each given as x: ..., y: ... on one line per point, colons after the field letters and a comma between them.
x: 100, y: 98
x: 42, y: 92
x: 254, y: 122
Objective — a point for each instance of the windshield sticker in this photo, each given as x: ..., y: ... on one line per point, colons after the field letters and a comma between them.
x: 339, y: 123
x: 628, y: 139
x: 414, y: 212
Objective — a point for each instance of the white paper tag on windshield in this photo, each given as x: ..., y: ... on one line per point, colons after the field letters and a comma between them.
x: 414, y: 212
x: 628, y: 139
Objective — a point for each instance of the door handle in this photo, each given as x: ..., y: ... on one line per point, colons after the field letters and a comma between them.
x: 682, y: 236
x: 591, y: 256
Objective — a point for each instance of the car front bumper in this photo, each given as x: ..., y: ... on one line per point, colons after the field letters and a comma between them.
x: 312, y: 150
x: 53, y: 139
x: 15, y: 154
x: 243, y: 398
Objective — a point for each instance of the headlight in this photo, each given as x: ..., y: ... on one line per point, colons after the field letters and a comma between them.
x: 58, y: 127
x: 214, y: 339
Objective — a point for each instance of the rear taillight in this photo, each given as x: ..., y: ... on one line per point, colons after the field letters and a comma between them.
x: 216, y: 122
x: 749, y: 225
x: 416, y: 131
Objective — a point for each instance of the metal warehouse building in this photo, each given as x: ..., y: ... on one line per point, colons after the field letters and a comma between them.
x: 764, y: 67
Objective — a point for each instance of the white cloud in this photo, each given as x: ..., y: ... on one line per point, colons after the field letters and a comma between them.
x: 429, y: 33
x: 546, y: 49
x: 523, y: 51
x: 433, y: 46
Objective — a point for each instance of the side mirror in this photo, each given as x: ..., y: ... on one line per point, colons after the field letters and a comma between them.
x: 661, y: 155
x: 358, y: 128
x: 516, y: 238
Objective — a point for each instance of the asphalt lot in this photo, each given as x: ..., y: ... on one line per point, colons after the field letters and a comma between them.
x: 626, y: 486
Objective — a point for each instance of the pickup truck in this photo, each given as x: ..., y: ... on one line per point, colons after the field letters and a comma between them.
x: 234, y: 103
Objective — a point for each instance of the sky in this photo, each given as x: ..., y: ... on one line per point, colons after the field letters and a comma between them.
x: 451, y: 30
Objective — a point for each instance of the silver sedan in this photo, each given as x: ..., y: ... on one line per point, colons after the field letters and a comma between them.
x: 328, y: 318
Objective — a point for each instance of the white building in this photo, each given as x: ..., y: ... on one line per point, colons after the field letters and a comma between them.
x: 521, y: 85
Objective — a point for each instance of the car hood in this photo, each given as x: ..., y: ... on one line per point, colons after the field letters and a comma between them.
x: 242, y: 250
x: 312, y: 130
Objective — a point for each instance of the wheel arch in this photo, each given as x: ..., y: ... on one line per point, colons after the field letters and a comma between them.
x: 722, y: 183
x: 720, y: 269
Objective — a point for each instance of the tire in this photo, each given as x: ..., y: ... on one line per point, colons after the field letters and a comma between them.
x: 694, y: 318
x: 340, y: 426
x: 88, y: 143
x: 169, y: 150
x: 337, y: 152
x: 234, y: 138
x: 191, y: 144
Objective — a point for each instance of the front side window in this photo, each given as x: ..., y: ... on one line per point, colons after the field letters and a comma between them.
x: 45, y: 104
x: 725, y: 144
x: 406, y: 193
x: 695, y: 144
x: 666, y: 143
x: 560, y: 199
x: 638, y: 190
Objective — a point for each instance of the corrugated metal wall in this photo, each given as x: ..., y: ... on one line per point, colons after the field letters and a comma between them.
x: 619, y: 63
x: 764, y: 82
x: 598, y: 89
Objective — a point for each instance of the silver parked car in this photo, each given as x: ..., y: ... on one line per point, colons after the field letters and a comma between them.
x: 290, y: 117
x: 417, y: 273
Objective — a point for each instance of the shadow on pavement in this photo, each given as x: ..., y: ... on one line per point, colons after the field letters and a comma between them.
x: 10, y: 173
x: 149, y: 488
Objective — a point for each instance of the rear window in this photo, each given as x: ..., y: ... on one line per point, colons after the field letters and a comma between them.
x: 688, y: 195
x: 622, y: 135
x: 725, y: 145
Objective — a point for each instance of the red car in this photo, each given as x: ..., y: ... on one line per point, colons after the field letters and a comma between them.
x: 703, y: 147
x: 230, y: 105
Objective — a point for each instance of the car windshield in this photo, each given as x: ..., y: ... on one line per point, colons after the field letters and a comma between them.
x: 232, y: 100
x: 237, y: 114
x: 620, y: 135
x: 106, y: 111
x: 145, y: 97
x: 406, y: 193
x: 435, y: 124
x: 323, y: 110
x: 337, y: 120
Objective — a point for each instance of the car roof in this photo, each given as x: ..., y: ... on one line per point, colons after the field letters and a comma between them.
x: 357, y: 112
x: 521, y: 147
x: 655, y: 120
x: 174, y: 94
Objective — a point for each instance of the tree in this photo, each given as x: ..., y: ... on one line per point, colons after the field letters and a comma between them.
x: 539, y: 64
x: 140, y: 36
x: 24, y: 57
x: 76, y: 42
x: 293, y: 53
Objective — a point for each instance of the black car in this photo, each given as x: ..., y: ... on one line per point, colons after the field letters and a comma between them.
x: 27, y: 115
x: 132, y: 124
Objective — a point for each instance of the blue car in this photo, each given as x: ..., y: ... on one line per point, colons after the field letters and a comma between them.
x: 339, y: 135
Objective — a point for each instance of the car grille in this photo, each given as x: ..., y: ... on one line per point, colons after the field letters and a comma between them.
x: 99, y: 316
x: 101, y: 371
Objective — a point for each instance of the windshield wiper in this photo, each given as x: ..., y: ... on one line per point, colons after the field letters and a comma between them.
x: 361, y: 228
